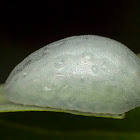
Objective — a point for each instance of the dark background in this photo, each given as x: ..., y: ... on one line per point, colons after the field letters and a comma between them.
x: 26, y: 27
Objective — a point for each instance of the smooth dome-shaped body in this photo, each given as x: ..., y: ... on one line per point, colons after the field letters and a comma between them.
x: 84, y: 73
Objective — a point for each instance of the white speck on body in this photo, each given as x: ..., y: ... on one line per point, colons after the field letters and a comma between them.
x: 24, y: 74
x: 86, y: 58
x: 59, y: 65
x: 94, y: 69
x: 47, y: 89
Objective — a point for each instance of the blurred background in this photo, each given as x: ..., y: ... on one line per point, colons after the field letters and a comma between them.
x: 26, y: 27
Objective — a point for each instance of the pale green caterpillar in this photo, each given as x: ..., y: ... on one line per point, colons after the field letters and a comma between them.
x: 86, y: 75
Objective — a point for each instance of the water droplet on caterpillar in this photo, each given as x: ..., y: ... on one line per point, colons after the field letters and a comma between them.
x: 82, y: 79
x: 60, y: 63
x: 95, y: 69
x: 47, y: 88
x: 59, y: 74
x: 87, y: 58
x: 24, y: 74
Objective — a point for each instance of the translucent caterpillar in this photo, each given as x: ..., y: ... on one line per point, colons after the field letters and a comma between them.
x: 87, y: 75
